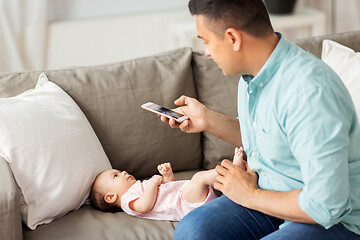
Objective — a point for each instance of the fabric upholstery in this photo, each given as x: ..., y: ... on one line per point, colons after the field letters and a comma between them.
x: 10, y: 217
x: 110, y: 96
x: 314, y: 44
x: 94, y: 225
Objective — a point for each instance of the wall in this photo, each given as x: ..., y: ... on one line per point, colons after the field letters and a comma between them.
x: 60, y: 10
x: 111, y: 39
x: 87, y: 38
x: 342, y: 15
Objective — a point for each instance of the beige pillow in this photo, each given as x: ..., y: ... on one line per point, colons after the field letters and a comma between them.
x: 52, y: 150
x: 346, y: 63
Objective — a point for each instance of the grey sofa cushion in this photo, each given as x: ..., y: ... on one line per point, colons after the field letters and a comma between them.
x: 219, y: 93
x: 10, y: 217
x: 90, y: 224
x: 110, y: 96
x: 314, y: 44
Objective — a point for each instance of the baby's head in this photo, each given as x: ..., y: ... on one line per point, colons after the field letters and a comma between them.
x: 108, y: 188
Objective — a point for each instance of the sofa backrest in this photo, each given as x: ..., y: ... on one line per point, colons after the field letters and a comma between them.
x: 314, y: 44
x: 110, y: 96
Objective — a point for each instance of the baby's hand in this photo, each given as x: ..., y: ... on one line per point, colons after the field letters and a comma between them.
x: 157, y: 179
x: 166, y: 170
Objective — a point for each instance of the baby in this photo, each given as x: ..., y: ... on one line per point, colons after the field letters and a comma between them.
x: 159, y: 198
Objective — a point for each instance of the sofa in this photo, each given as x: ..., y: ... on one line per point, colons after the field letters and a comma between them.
x: 133, y: 139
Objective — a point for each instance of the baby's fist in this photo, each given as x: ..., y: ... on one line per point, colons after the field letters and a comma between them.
x: 157, y: 179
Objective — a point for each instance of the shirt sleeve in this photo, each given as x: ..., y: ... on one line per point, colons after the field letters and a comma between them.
x: 132, y: 194
x: 318, y: 128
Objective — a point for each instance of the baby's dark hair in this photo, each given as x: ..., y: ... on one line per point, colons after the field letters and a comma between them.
x: 98, y: 202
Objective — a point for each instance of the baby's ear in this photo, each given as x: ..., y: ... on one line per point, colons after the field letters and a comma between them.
x: 110, y: 197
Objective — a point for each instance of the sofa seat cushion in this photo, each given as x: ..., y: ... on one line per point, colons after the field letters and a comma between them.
x: 88, y: 223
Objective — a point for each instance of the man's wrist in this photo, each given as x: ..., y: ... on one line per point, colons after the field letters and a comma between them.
x: 255, y: 197
x: 209, y: 120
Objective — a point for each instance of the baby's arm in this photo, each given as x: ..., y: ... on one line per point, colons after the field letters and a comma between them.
x: 146, y: 201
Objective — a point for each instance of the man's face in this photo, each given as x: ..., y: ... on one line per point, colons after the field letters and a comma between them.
x: 217, y: 47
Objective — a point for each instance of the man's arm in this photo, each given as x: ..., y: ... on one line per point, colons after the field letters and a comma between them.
x: 241, y: 187
x: 224, y: 127
x: 146, y: 201
x: 283, y: 205
x: 203, y: 119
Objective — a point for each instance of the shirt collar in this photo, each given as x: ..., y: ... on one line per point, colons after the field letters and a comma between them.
x: 271, y: 65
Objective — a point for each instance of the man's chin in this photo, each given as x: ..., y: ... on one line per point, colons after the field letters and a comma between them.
x: 225, y: 73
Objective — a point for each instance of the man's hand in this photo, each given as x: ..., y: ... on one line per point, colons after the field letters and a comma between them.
x: 194, y: 110
x: 203, y: 119
x: 236, y: 183
x: 241, y: 187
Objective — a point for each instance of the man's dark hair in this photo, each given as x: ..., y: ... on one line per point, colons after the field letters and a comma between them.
x: 249, y: 16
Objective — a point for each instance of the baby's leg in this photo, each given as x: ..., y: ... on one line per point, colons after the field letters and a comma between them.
x: 197, y: 189
x: 166, y: 171
x: 239, y: 158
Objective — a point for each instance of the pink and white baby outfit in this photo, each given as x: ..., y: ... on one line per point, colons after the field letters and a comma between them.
x: 169, y: 203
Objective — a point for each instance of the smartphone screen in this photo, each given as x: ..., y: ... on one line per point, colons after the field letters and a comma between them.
x: 164, y: 111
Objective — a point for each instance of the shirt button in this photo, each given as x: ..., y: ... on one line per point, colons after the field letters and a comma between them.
x: 253, y: 154
x: 254, y: 124
x: 250, y: 91
x: 261, y: 84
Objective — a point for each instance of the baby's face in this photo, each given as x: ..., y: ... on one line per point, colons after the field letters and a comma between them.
x: 116, y: 181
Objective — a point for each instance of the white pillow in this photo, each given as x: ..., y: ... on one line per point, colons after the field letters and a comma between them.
x: 346, y: 63
x: 52, y: 150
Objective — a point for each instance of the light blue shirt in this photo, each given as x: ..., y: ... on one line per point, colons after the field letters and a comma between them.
x: 300, y: 130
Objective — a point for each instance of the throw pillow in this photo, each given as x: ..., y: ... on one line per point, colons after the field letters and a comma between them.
x: 52, y: 150
x: 346, y: 63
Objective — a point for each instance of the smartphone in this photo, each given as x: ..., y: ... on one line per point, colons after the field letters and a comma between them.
x: 155, y: 108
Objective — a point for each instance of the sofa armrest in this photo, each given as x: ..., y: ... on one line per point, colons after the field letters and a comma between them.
x: 10, y: 217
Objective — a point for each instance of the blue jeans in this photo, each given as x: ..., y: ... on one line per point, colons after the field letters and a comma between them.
x: 224, y: 219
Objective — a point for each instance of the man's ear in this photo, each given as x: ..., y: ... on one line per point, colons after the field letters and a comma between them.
x: 110, y: 197
x: 233, y: 36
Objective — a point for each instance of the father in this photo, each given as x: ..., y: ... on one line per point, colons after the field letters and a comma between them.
x: 299, y: 130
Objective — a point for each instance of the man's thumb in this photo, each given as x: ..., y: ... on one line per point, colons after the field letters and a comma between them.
x: 181, y: 100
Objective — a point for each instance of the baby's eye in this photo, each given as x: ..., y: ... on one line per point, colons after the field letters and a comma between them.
x: 115, y: 175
